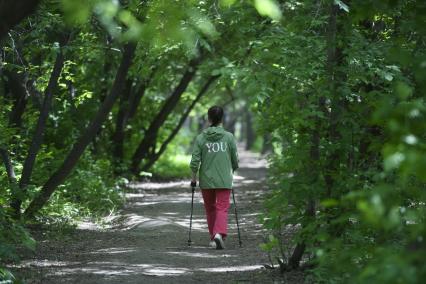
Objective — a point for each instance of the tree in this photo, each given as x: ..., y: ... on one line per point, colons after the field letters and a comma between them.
x: 37, y: 138
x: 154, y: 156
x: 12, y: 12
x: 86, y: 137
x: 147, y: 145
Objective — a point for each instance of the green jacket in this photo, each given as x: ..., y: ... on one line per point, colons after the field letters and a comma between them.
x: 215, y: 149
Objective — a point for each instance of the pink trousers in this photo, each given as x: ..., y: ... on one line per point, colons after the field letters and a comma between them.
x: 216, y: 203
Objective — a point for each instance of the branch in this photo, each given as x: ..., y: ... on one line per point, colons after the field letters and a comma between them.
x: 163, y: 147
x: 37, y: 138
x: 86, y: 137
x: 135, y: 99
x: 150, y: 135
x: 8, y: 165
x: 42, y: 119
x: 14, y: 11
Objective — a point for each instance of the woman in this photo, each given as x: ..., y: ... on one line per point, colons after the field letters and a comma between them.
x: 215, y: 157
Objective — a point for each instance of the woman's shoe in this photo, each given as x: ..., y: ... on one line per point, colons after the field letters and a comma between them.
x: 219, y: 241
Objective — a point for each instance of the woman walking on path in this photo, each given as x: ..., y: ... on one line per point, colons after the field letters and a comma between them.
x: 215, y: 157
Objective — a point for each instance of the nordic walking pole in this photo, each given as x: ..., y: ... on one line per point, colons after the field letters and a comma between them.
x: 193, y: 185
x: 236, y: 218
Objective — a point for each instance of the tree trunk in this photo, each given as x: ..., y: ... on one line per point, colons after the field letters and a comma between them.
x: 107, y: 68
x: 299, y: 250
x: 332, y: 60
x: 86, y: 137
x: 201, y: 123
x: 118, y: 136
x: 106, y: 72
x: 37, y: 138
x: 296, y: 257
x: 8, y: 165
x: 231, y: 116
x: 9, y: 171
x: 250, y: 137
x: 153, y: 158
x: 230, y: 120
x: 14, y: 11
x: 128, y: 108
x: 16, y: 85
x: 267, y: 144
x: 136, y: 98
x: 147, y: 145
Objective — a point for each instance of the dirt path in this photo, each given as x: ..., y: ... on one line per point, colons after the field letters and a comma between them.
x: 147, y: 242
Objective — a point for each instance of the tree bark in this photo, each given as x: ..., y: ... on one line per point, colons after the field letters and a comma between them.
x: 118, y: 136
x: 106, y: 73
x: 14, y: 11
x: 86, y: 137
x: 147, y: 145
x: 230, y: 121
x: 299, y: 250
x: 37, y: 138
x: 250, y: 136
x: 333, y: 54
x: 4, y: 154
x: 136, y: 98
x: 267, y: 146
x: 128, y: 108
x: 16, y: 86
x: 296, y: 257
x: 8, y: 165
x: 153, y: 158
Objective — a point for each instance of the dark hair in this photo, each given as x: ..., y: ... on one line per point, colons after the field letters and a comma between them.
x: 215, y: 114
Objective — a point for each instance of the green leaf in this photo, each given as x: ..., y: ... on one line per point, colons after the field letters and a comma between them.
x: 268, y: 8
x: 227, y: 3
x: 76, y: 12
x: 403, y: 90
x: 329, y: 202
x: 393, y: 161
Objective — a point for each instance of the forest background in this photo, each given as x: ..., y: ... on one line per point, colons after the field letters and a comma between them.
x: 95, y: 94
